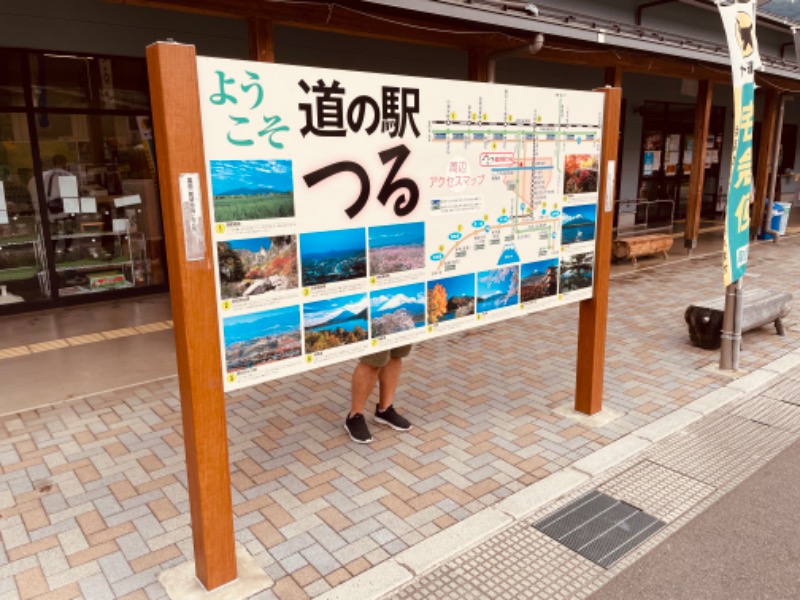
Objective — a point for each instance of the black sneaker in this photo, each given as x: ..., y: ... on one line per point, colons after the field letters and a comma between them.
x: 356, y: 426
x: 391, y: 418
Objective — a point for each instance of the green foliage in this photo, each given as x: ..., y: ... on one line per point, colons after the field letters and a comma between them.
x: 248, y: 208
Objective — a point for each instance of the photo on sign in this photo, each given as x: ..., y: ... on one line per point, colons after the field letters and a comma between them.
x: 262, y: 338
x: 578, y: 224
x: 498, y: 288
x: 257, y: 266
x: 332, y: 256
x: 539, y: 280
x: 336, y: 322
x: 396, y: 248
x: 576, y: 272
x: 249, y: 190
x: 451, y: 298
x: 580, y: 173
x: 397, y: 309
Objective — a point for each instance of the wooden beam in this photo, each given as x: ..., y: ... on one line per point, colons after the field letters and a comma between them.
x: 765, y: 160
x: 702, y: 116
x: 175, y: 100
x: 395, y: 24
x: 594, y: 312
x: 261, y: 39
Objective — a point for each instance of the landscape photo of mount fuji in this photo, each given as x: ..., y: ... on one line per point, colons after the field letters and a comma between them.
x: 397, y: 309
x: 539, y: 279
x: 261, y: 338
x: 246, y: 190
x: 451, y: 298
x: 335, y: 322
x: 498, y: 288
x: 578, y: 224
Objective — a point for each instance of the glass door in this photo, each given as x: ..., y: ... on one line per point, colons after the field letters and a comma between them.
x: 23, y: 262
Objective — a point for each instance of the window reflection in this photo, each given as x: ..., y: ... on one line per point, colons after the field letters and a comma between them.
x: 102, y: 202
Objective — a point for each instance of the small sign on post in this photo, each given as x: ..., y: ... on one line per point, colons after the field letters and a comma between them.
x: 193, y: 222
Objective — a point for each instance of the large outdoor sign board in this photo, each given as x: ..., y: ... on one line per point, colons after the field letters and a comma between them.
x: 356, y: 212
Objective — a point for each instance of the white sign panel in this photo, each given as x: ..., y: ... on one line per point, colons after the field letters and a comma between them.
x: 356, y: 212
x: 193, y: 219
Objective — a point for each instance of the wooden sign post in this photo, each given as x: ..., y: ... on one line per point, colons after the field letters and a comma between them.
x: 594, y: 312
x: 172, y: 71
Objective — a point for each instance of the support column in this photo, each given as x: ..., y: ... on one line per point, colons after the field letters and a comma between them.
x: 172, y: 71
x: 594, y: 312
x: 613, y: 77
x: 260, y: 39
x: 697, y: 177
x: 478, y: 64
x: 765, y: 160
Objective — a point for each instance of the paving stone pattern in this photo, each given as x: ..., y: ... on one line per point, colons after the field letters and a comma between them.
x: 673, y: 479
x: 93, y: 499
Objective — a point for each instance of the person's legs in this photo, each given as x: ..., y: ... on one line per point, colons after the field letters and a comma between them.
x: 388, y: 377
x: 365, y: 377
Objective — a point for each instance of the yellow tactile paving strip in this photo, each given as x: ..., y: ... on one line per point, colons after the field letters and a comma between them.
x: 80, y: 340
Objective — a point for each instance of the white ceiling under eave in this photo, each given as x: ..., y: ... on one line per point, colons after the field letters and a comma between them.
x: 612, y: 24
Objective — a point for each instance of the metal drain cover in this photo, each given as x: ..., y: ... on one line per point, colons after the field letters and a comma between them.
x: 600, y: 528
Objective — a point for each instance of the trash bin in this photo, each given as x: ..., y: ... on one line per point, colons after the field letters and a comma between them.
x: 784, y: 217
x: 774, y: 222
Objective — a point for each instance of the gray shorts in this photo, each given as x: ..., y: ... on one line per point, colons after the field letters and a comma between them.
x: 381, y: 359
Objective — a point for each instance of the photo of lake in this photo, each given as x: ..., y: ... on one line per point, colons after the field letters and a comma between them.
x: 335, y: 322
x: 397, y: 309
x: 331, y: 256
x: 247, y: 190
x: 578, y: 224
x: 396, y: 248
x: 262, y: 338
x: 539, y: 280
x: 451, y: 298
x: 576, y: 272
x: 498, y: 288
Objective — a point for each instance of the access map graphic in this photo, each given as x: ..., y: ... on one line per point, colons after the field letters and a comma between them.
x: 506, y: 184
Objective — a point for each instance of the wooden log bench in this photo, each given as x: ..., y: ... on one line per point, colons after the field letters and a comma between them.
x: 642, y: 245
x: 760, y: 308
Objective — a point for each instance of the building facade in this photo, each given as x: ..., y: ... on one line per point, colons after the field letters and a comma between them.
x: 80, y: 210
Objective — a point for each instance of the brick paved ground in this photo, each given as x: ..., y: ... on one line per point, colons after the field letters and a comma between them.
x: 92, y: 493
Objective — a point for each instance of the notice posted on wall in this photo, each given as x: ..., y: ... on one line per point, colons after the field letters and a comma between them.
x: 356, y: 212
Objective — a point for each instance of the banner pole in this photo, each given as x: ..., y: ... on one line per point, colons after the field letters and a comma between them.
x: 172, y: 70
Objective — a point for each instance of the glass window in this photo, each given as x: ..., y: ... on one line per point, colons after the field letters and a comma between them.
x: 11, y: 90
x: 23, y: 273
x: 60, y: 81
x: 121, y: 83
x: 102, y: 201
x: 65, y: 81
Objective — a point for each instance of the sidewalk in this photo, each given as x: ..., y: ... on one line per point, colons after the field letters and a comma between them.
x: 92, y: 491
x: 679, y: 467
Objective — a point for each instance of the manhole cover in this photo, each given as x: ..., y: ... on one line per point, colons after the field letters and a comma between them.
x: 599, y: 527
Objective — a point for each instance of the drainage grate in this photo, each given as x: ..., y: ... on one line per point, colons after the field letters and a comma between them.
x: 600, y: 528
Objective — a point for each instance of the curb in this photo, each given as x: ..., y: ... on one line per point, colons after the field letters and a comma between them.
x: 387, y: 577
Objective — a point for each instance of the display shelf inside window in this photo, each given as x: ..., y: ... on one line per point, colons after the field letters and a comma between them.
x: 93, y: 254
x: 23, y: 275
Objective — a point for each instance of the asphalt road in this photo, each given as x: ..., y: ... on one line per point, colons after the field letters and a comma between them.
x: 746, y: 546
